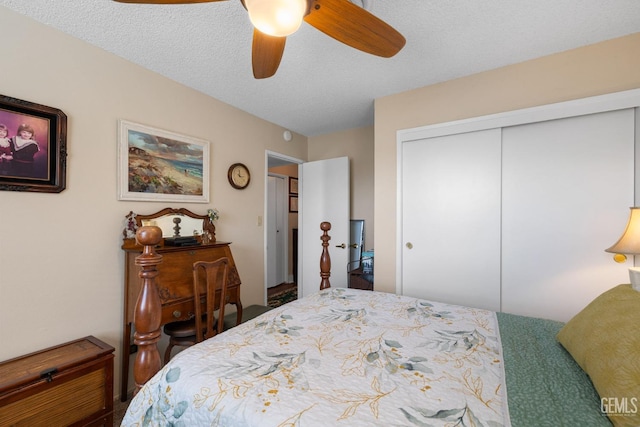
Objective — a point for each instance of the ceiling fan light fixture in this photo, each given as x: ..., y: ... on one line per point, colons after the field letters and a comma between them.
x: 278, y: 18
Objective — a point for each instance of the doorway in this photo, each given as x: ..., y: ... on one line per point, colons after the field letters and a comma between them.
x: 280, y: 221
x: 323, y: 194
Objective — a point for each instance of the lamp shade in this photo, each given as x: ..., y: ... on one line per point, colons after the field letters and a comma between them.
x: 277, y: 18
x: 629, y: 243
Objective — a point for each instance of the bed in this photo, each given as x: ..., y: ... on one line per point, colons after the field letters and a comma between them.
x: 364, y: 358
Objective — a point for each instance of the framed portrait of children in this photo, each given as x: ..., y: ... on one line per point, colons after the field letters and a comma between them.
x: 33, y: 146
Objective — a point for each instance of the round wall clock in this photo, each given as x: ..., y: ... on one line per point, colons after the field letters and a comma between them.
x: 239, y: 176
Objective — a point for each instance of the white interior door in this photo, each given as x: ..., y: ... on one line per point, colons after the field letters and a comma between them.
x: 276, y: 231
x: 451, y: 219
x: 565, y: 185
x: 324, y: 196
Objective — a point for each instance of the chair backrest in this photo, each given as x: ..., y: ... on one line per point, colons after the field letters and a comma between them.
x: 214, y: 274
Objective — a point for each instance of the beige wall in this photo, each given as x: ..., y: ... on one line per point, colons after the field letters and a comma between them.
x: 61, y: 266
x: 606, y: 67
x: 357, y: 144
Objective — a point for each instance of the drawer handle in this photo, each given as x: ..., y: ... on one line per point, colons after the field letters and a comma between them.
x: 177, y: 314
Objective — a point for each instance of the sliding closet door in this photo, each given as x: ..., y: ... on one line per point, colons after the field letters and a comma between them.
x: 565, y: 183
x: 451, y: 219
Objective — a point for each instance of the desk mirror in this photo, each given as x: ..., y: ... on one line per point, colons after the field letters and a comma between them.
x: 175, y: 223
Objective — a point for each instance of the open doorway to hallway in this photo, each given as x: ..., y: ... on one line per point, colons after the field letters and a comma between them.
x: 281, y: 227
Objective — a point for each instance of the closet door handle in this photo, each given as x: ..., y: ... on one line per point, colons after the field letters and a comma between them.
x: 409, y: 245
x: 341, y: 246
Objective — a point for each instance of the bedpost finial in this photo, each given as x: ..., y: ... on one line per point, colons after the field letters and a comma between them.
x: 149, y: 235
x: 148, y: 309
x: 325, y: 259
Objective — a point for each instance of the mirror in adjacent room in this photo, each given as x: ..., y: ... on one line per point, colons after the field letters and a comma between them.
x: 356, y: 242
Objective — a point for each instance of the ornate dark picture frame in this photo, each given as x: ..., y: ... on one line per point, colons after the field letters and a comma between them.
x: 33, y: 146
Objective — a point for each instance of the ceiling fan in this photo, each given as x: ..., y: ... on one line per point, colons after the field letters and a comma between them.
x: 274, y: 20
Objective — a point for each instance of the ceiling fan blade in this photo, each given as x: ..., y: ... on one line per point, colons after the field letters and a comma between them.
x: 166, y: 1
x: 266, y: 54
x: 355, y: 27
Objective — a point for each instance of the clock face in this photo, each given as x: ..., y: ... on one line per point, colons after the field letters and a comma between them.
x: 239, y: 176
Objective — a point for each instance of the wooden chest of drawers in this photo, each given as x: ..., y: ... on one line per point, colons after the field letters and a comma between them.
x: 69, y: 384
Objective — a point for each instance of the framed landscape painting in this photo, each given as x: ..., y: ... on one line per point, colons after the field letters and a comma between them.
x: 158, y: 165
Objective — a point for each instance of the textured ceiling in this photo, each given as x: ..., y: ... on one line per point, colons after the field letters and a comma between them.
x: 322, y: 85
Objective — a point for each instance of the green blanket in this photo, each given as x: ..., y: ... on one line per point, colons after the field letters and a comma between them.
x: 545, y: 386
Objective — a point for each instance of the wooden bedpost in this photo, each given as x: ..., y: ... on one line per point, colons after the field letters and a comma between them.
x: 325, y: 259
x: 148, y: 311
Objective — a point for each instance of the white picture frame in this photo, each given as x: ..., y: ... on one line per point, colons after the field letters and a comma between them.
x: 159, y: 165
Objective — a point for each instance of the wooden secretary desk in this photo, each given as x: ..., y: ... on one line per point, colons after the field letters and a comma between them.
x: 174, y: 281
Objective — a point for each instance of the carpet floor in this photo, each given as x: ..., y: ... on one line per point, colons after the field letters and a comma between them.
x: 282, y: 294
x: 119, y: 409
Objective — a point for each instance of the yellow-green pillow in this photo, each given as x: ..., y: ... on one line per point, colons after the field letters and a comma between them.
x: 604, y: 339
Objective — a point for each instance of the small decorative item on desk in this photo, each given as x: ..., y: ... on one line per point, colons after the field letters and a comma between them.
x: 176, y: 228
x: 130, y: 226
x: 213, y: 214
x: 209, y: 229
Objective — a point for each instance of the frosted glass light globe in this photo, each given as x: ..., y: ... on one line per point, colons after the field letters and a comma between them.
x: 277, y: 18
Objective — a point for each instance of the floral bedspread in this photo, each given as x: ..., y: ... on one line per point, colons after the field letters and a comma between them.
x: 342, y: 357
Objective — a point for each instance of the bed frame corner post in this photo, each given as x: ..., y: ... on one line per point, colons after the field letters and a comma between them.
x: 148, y: 311
x: 325, y: 259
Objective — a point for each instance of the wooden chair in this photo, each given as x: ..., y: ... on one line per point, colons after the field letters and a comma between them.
x: 203, y: 325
